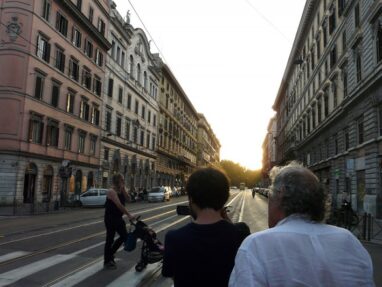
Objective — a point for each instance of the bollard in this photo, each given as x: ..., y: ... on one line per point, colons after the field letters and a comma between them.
x: 369, y: 226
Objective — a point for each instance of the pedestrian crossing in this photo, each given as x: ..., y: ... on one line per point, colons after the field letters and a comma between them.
x: 130, y: 278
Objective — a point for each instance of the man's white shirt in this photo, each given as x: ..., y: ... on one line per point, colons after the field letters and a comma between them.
x: 299, y: 252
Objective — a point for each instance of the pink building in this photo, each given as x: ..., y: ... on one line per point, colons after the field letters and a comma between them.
x: 52, y: 67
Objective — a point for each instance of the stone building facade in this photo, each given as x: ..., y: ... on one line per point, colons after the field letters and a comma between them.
x: 52, y: 69
x: 208, y: 144
x: 329, y: 104
x: 177, y: 131
x: 130, y: 107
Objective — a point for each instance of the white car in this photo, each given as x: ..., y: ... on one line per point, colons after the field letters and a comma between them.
x: 94, y: 197
x: 158, y: 193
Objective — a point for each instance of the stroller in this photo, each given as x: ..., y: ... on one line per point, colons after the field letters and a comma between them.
x: 151, y: 250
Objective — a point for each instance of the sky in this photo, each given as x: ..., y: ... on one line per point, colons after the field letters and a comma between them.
x: 229, y: 56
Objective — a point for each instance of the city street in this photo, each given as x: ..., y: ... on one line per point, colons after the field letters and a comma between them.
x: 66, y: 249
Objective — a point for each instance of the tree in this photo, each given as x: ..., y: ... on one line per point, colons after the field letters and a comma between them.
x: 237, y: 173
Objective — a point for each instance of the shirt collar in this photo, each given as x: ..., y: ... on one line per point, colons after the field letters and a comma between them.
x: 294, y: 217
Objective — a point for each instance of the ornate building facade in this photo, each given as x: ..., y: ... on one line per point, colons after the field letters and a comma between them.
x: 329, y: 104
x: 50, y: 100
x: 130, y: 107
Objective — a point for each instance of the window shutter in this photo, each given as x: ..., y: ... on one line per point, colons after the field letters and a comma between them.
x: 47, y: 54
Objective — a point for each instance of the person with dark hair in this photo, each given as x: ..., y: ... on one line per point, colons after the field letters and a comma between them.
x: 202, y: 252
x: 299, y: 249
x: 114, y: 210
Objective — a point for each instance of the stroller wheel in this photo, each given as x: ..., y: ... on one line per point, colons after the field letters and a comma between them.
x: 139, y: 267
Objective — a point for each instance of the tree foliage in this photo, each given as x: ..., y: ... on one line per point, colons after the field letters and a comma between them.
x: 237, y: 173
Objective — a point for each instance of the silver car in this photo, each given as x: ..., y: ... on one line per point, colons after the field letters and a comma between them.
x: 158, y: 193
x: 94, y: 197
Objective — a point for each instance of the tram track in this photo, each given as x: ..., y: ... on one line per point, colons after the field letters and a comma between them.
x: 75, y: 241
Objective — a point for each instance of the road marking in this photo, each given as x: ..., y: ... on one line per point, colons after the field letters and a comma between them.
x: 132, y: 278
x: 242, y: 209
x: 19, y: 273
x: 79, y: 276
x: 12, y: 255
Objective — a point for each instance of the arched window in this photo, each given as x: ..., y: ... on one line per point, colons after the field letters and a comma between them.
x: 131, y: 67
x: 139, y: 73
x: 145, y: 80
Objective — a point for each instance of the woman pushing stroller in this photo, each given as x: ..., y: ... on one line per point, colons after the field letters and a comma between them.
x: 114, y: 210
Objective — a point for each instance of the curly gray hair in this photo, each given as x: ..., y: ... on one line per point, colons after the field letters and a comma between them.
x: 299, y: 191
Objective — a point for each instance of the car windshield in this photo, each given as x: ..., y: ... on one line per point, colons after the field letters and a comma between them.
x: 156, y: 190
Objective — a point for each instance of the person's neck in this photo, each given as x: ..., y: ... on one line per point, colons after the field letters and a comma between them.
x: 208, y: 216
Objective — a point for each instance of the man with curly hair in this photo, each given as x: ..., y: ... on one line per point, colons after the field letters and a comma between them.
x: 299, y: 249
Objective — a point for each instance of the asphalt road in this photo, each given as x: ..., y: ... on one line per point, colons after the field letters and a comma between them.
x: 66, y: 248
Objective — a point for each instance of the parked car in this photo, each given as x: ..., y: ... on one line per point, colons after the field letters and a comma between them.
x: 233, y: 187
x: 93, y: 197
x: 159, y: 193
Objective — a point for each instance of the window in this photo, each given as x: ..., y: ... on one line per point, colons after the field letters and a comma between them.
x: 61, y: 24
x: 46, y: 7
x: 118, y: 129
x: 356, y: 15
x: 143, y: 112
x: 52, y: 132
x: 91, y: 14
x: 95, y: 116
x: 127, y: 129
x: 55, y: 94
x: 332, y: 20
x: 379, y: 42
x: 360, y: 130
x: 313, y: 117
x: 81, y: 141
x: 136, y: 106
x: 108, y: 121
x: 43, y: 48
x: 98, y: 58
x: 149, y: 116
x: 359, y: 66
x: 142, y: 142
x: 74, y: 69
x: 88, y: 49
x: 110, y: 88
x: 153, y: 143
x: 86, y: 78
x: 155, y: 120
x: 97, y: 85
x: 335, y: 145
x: 148, y: 140
x: 326, y: 104
x: 120, y: 95
x: 118, y: 54
x: 39, y: 87
x: 76, y: 37
x: 345, y: 81
x: 341, y: 7
x: 135, y: 135
x: 380, y: 119
x: 84, y: 109
x: 60, y: 59
x: 333, y: 56
x: 139, y: 74
x: 93, y: 144
x: 145, y: 80
x: 131, y: 68
x: 101, y: 26
x: 318, y: 46
x: 123, y: 60
x: 319, y: 113
x: 70, y: 103
x: 68, y: 137
x: 36, y: 127
x: 129, y: 101
x: 346, y: 138
x: 344, y: 41
x: 113, y: 49
x: 79, y: 4
x: 106, y: 154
